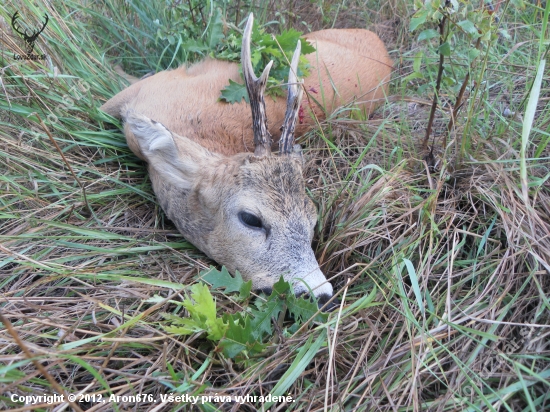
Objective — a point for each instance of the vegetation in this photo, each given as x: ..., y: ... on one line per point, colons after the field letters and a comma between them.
x: 434, y: 221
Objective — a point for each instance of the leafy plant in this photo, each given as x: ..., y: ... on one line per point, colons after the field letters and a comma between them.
x: 202, y: 315
x: 184, y: 32
x: 464, y: 29
x: 195, y: 36
x: 234, y: 93
x: 268, y: 47
x: 223, y: 280
x: 242, y: 333
x: 213, y: 42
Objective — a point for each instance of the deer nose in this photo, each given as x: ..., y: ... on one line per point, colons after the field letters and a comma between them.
x: 267, y: 291
x: 323, y: 299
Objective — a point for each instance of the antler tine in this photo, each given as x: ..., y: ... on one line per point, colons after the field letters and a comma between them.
x: 14, y: 23
x: 295, y: 91
x: 256, y: 89
x: 45, y: 23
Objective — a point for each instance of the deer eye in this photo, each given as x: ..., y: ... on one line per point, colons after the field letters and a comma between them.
x: 250, y: 220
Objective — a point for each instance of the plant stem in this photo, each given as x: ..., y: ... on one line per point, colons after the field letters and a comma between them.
x: 437, y: 84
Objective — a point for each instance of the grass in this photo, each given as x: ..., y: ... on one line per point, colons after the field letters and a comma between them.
x: 444, y: 275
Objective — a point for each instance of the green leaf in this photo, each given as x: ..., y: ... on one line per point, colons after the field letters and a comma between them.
x: 414, y: 283
x: 223, y: 280
x: 303, y: 309
x: 261, y: 324
x: 202, y: 315
x: 504, y: 33
x: 428, y: 34
x: 307, y: 47
x: 519, y: 4
x: 239, y: 337
x: 234, y: 93
x: 262, y: 318
x: 246, y: 288
x: 265, y: 48
x: 412, y: 76
x: 235, y: 339
x: 362, y: 303
x: 288, y: 40
x: 247, y: 331
x: 215, y: 35
x: 445, y: 49
x: 281, y: 288
x: 454, y: 5
x: 468, y: 27
x: 195, y: 46
x: 203, y: 311
x: 527, y: 126
x: 255, y: 57
x: 243, y: 331
x: 419, y: 18
x: 154, y: 299
x: 448, y: 81
x: 473, y: 54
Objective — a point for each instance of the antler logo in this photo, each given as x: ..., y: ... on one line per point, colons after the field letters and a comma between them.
x: 29, y: 38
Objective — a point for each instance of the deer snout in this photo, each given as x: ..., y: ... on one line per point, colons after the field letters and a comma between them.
x: 307, y: 284
x: 322, y: 301
x: 313, y: 283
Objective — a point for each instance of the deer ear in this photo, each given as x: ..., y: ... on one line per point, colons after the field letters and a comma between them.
x: 154, y: 143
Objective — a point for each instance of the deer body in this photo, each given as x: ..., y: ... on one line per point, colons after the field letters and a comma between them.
x: 353, y: 62
x: 249, y: 212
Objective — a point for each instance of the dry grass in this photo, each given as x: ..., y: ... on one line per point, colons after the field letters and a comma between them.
x: 444, y: 276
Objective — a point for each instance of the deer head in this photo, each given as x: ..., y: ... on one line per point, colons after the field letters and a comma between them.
x: 29, y: 38
x: 249, y: 212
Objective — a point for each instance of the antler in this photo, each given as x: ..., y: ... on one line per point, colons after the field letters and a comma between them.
x: 43, y: 27
x: 34, y: 34
x: 295, y: 91
x: 256, y: 87
x: 14, y: 22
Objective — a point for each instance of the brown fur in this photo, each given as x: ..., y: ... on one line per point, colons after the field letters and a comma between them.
x: 349, y: 64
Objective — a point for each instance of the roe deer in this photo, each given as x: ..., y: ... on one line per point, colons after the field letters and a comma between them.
x: 249, y: 212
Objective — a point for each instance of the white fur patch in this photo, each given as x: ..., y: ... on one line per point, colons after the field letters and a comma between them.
x: 151, y: 135
x: 315, y: 280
